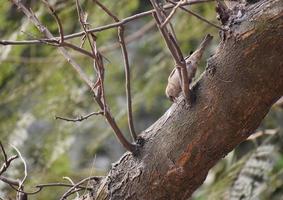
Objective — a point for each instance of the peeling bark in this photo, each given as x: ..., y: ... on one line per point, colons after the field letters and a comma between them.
x: 241, y: 82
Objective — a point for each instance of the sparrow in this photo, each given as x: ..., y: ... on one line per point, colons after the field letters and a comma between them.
x: 174, y: 88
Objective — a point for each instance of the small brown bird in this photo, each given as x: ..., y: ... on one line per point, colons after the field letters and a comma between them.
x: 174, y: 88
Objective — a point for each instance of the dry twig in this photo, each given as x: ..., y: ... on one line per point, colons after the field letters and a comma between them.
x: 69, y: 192
x: 79, y: 119
x: 31, y: 16
x: 196, y: 15
x: 71, y: 181
x: 7, y: 161
x: 174, y: 49
x: 173, y: 11
x: 127, y: 68
x: 98, y: 29
x: 12, y: 182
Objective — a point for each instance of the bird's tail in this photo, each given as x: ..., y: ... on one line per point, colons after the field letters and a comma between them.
x: 196, y: 56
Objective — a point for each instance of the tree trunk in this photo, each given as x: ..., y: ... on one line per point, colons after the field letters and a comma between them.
x: 241, y: 82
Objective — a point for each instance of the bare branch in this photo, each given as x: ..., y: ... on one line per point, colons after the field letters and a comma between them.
x: 48, y: 34
x: 173, y: 11
x: 197, y: 16
x: 31, y: 16
x: 79, y: 119
x: 71, y: 181
x: 108, y: 12
x: 98, y: 63
x: 25, y: 167
x: 78, y: 49
x: 61, y: 184
x: 130, y: 38
x: 4, y: 152
x: 128, y: 82
x: 83, y: 24
x: 21, y: 194
x: 7, y: 161
x: 127, y: 69
x: 58, y: 21
x: 10, y: 181
x: 101, y: 28
x: 7, y: 164
x: 95, y: 178
x: 100, y: 95
x: 174, y: 49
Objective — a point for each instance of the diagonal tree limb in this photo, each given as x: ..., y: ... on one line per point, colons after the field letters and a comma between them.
x: 185, y: 143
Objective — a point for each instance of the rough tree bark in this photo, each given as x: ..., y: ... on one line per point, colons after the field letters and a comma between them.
x: 241, y: 82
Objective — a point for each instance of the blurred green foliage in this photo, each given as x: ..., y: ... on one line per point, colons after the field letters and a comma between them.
x: 36, y: 84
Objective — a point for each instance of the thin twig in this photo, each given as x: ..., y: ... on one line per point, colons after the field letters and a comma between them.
x: 100, y: 95
x: 98, y: 62
x: 48, y: 34
x: 25, y: 167
x: 197, y: 16
x: 81, y: 73
x: 174, y: 50
x: 71, y: 181
x: 61, y: 42
x: 135, y: 36
x: 57, y: 19
x: 7, y: 164
x: 10, y: 181
x: 130, y: 38
x: 121, y: 38
x: 173, y: 11
x: 83, y: 24
x: 7, y: 161
x: 78, y: 49
x: 108, y: 12
x: 4, y: 152
x: 128, y: 82
x: 101, y: 28
x: 61, y: 184
x: 97, y: 179
x: 79, y: 119
x: 15, y: 183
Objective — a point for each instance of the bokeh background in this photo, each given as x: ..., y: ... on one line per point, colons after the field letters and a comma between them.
x: 37, y: 84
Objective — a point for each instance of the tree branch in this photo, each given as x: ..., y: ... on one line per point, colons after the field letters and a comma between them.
x: 122, y: 42
x: 79, y: 119
x: 181, y: 147
x: 173, y: 48
x: 98, y: 60
x: 101, y: 28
